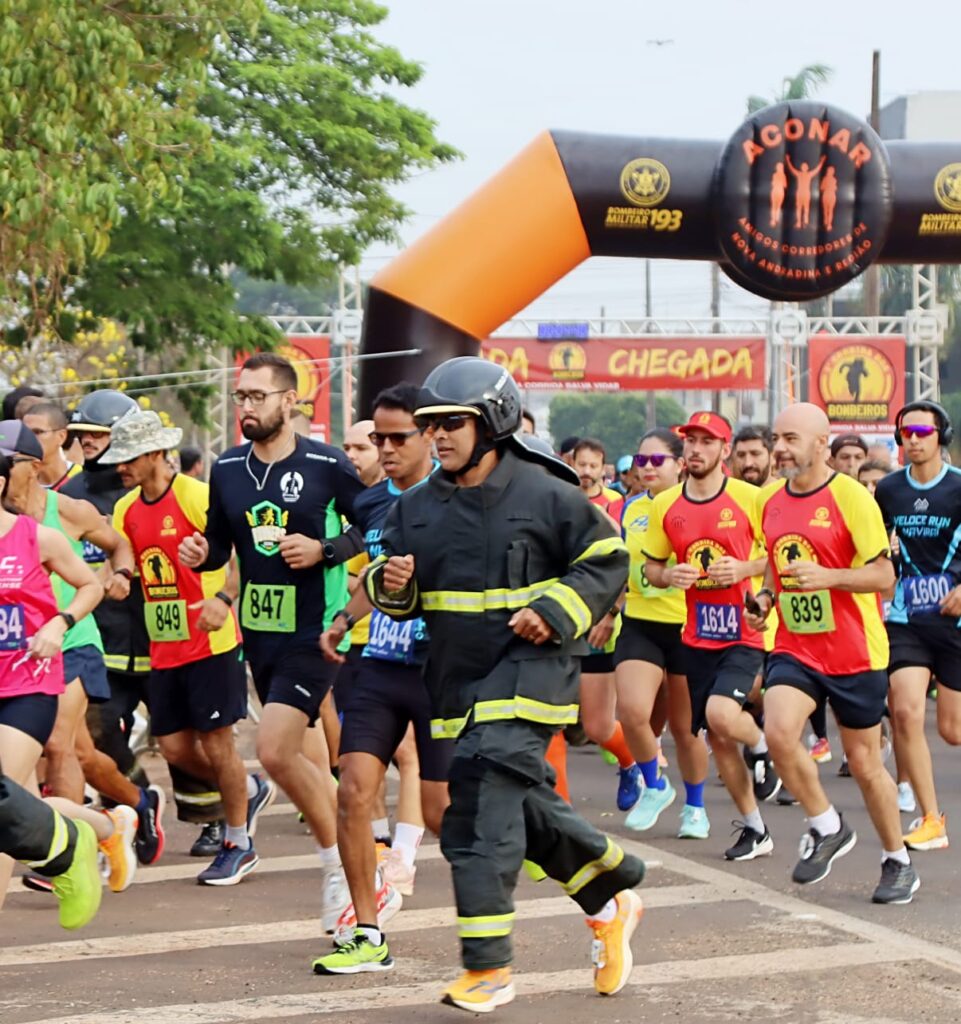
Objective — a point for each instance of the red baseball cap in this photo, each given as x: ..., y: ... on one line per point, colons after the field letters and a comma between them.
x: 713, y: 424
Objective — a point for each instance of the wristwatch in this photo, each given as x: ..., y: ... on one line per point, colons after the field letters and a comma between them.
x: 346, y: 616
x: 69, y: 619
x: 125, y: 572
x: 330, y: 552
x: 226, y: 598
x: 770, y: 593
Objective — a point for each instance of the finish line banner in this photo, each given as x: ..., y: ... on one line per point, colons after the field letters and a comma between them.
x: 633, y: 364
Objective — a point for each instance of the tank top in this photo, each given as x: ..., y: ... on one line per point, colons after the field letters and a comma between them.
x: 26, y: 603
x: 85, y: 632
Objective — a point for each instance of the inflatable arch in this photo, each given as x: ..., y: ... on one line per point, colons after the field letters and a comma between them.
x: 796, y: 204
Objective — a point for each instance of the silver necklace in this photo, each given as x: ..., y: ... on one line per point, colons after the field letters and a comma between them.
x: 261, y: 484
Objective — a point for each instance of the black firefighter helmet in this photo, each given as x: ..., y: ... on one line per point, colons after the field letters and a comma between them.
x: 476, y: 386
x: 100, y: 410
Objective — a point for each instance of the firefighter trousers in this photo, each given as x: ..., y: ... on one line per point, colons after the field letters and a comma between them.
x: 504, y: 810
x: 32, y: 831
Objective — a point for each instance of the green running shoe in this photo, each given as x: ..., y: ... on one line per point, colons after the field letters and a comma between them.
x: 79, y: 888
x: 359, y: 956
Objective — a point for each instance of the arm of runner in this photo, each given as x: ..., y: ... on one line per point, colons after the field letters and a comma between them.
x: 210, y: 549
x: 357, y: 607
x: 391, y: 580
x: 93, y: 527
x: 682, y: 576
x: 758, y: 607
x: 729, y: 571
x: 58, y: 556
x: 872, y: 578
x: 214, y: 611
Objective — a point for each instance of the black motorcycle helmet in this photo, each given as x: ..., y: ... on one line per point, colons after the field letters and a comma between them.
x: 100, y: 410
x: 477, y: 386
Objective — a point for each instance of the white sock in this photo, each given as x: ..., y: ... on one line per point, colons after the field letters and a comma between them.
x: 252, y: 787
x: 329, y: 856
x: 755, y: 821
x: 237, y: 836
x: 407, y: 839
x: 826, y: 824
x: 380, y: 827
x: 374, y: 934
x: 901, y: 856
x: 607, y: 913
x: 760, y: 747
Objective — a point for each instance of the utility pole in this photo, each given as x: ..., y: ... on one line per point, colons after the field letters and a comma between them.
x: 648, y: 313
x: 872, y: 276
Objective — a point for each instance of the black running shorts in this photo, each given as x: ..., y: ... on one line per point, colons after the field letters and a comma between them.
x: 719, y: 671
x: 929, y: 644
x: 204, y: 695
x: 658, y: 643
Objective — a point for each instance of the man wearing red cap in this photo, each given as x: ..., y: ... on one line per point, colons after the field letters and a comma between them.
x: 711, y: 524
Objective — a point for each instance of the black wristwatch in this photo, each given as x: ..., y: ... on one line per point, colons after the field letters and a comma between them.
x: 69, y: 619
x: 125, y: 572
x: 226, y: 598
x: 330, y: 552
x: 770, y: 593
x: 346, y: 616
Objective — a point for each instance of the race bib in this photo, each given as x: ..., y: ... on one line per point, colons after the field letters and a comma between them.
x: 718, y: 621
x: 391, y: 640
x: 268, y: 608
x: 166, y: 621
x: 923, y: 594
x: 808, y: 612
x: 13, y: 629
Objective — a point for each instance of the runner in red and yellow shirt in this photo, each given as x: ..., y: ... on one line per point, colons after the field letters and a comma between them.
x: 710, y: 524
x: 198, y: 682
x: 827, y: 564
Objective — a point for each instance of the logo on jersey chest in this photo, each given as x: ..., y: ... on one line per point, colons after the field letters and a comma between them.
x: 158, y: 573
x: 169, y: 527
x: 822, y: 518
x: 702, y: 554
x: 921, y: 505
x: 268, y: 525
x: 726, y: 520
x: 12, y: 573
x: 291, y: 486
x: 792, y: 547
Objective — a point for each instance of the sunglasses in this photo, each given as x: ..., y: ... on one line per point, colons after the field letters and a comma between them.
x: 656, y: 461
x: 396, y: 438
x: 448, y: 423
x: 918, y: 430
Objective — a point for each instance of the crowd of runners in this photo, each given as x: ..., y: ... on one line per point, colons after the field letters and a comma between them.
x: 449, y: 595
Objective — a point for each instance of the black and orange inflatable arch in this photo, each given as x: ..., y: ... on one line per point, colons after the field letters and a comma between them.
x: 798, y: 202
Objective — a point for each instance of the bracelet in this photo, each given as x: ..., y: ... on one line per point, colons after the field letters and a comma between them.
x: 615, y: 611
x: 770, y: 593
x: 125, y: 572
x: 346, y: 616
x: 226, y: 598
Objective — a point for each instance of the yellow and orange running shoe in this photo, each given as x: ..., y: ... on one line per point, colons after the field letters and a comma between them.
x: 611, y: 948
x: 481, y: 991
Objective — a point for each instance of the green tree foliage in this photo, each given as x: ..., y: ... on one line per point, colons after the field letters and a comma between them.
x: 801, y: 86
x: 617, y: 419
x: 97, y: 118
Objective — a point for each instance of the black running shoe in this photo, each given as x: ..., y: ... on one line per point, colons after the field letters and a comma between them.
x: 750, y: 843
x: 210, y: 840
x: 786, y: 798
x: 819, y: 852
x: 149, y: 841
x: 899, y: 882
x: 766, y: 780
x: 843, y: 770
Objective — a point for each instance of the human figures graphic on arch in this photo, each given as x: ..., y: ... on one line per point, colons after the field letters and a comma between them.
x: 804, y: 176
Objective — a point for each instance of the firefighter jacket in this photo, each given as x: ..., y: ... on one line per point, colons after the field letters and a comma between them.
x: 522, y: 538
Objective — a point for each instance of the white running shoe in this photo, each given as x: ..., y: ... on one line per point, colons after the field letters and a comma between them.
x: 389, y: 902
x: 335, y: 896
x: 396, y: 871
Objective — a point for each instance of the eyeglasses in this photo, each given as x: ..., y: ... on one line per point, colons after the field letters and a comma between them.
x: 917, y: 430
x: 255, y: 398
x: 448, y: 423
x: 396, y: 437
x: 656, y: 460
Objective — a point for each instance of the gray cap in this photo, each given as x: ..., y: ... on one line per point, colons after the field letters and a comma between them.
x: 16, y: 439
x: 138, y: 433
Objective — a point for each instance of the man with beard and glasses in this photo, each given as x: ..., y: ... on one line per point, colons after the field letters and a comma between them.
x: 278, y: 501
x: 710, y: 524
x: 751, y: 455
x: 828, y: 561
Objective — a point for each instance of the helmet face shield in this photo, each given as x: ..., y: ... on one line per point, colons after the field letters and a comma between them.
x: 100, y: 410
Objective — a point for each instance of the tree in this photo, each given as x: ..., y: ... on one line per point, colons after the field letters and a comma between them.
x: 97, y: 115
x: 618, y: 420
x: 306, y: 143
x: 794, y: 87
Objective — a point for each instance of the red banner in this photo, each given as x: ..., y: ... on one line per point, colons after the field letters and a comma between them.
x: 858, y: 380
x: 632, y: 364
x: 313, y: 379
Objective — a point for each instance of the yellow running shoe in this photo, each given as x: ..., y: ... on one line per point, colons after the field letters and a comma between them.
x: 481, y: 991
x: 119, y: 848
x: 927, y: 833
x: 79, y: 888
x: 611, y: 948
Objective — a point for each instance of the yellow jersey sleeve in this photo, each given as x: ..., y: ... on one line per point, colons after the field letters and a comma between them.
x: 193, y: 497
x: 862, y: 516
x: 656, y: 544
x: 120, y: 510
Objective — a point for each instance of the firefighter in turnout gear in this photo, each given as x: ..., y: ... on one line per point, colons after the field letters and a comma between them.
x: 510, y: 566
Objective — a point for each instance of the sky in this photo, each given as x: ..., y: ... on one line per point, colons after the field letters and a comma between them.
x: 498, y: 73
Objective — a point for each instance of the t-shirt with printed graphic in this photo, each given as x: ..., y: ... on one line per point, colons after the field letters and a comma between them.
x: 389, y: 639
x: 155, y: 530
x: 644, y: 601
x: 927, y: 521
x: 839, y: 526
x: 253, y: 505
x: 701, y: 532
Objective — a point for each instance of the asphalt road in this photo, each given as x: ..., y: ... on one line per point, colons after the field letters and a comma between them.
x: 719, y: 942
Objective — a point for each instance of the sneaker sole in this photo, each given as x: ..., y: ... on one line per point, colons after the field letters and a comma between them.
x: 37, y: 883
x: 904, y: 899
x: 941, y: 843
x: 127, y: 838
x: 627, y: 956
x: 846, y: 848
x: 502, y: 998
x: 233, y: 879
x: 763, y: 849
x: 681, y: 834
x: 161, y: 804
x: 368, y: 968
x: 653, y: 821
x: 268, y: 800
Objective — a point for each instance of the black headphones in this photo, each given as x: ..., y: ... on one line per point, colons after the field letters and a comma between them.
x: 945, y: 430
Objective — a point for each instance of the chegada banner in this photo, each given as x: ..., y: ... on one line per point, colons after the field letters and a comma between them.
x: 633, y: 364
